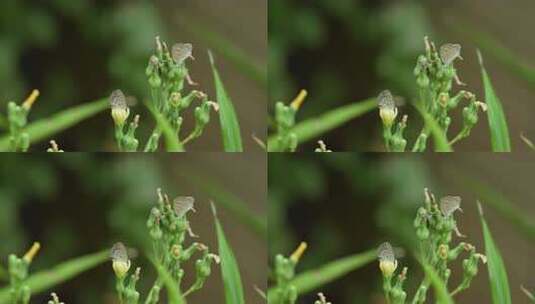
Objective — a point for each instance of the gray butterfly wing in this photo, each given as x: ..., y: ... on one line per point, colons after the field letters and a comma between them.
x: 385, y: 252
x: 449, y: 204
x: 449, y: 52
x: 119, y: 252
x: 181, y: 52
x: 386, y: 100
x: 117, y: 99
x: 183, y: 204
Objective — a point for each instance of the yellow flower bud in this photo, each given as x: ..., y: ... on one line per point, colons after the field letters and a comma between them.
x: 298, y: 101
x: 28, y: 257
x: 388, y: 267
x: 121, y: 267
x: 296, y: 255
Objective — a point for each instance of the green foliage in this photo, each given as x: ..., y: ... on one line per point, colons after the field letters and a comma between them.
x: 499, y: 132
x: 315, y: 278
x: 316, y: 127
x: 289, y: 285
x: 441, y: 290
x: 229, y: 266
x: 46, y: 127
x: 435, y: 225
x: 167, y: 74
x: 230, y: 128
x: 46, y: 279
x: 498, y: 281
x: 435, y: 74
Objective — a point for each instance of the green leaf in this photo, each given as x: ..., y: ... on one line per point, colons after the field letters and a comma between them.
x: 229, y: 267
x: 173, y: 289
x: 499, y: 284
x: 315, y: 127
x: 228, y: 200
x: 171, y: 138
x: 230, y: 128
x: 47, y: 127
x: 44, y: 280
x: 499, y: 133
x: 439, y: 137
x: 441, y: 291
x: 316, y: 278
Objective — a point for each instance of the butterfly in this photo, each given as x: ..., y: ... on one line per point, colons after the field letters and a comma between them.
x: 119, y: 252
x: 117, y: 99
x: 183, y: 204
x: 449, y: 52
x: 181, y: 52
x: 386, y: 100
x: 449, y: 204
x: 385, y: 252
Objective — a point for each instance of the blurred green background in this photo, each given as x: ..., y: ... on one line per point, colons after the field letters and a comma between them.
x: 76, y: 204
x: 346, y: 51
x: 78, y: 51
x: 346, y: 203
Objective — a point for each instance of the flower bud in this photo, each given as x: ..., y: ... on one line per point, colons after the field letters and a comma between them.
x: 296, y: 255
x: 28, y: 257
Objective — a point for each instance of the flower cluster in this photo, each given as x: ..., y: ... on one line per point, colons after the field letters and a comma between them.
x: 435, y: 225
x: 167, y: 73
x: 285, y: 292
x: 17, y: 116
x: 435, y: 74
x: 18, y: 268
x: 285, y: 139
x: 168, y: 227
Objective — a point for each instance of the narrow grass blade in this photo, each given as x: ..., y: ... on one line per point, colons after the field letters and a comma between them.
x: 228, y: 200
x: 499, y: 133
x: 44, y: 280
x: 527, y: 141
x: 316, y: 127
x: 314, y: 279
x: 229, y: 267
x: 230, y: 128
x: 47, y: 127
x: 173, y: 289
x: 172, y: 142
x: 499, y: 283
x: 441, y: 291
x: 241, y: 60
x: 528, y: 294
x: 493, y: 198
x: 440, y: 139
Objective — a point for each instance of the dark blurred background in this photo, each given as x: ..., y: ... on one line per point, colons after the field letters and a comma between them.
x: 342, y: 204
x: 346, y: 51
x: 77, y: 204
x: 78, y: 51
